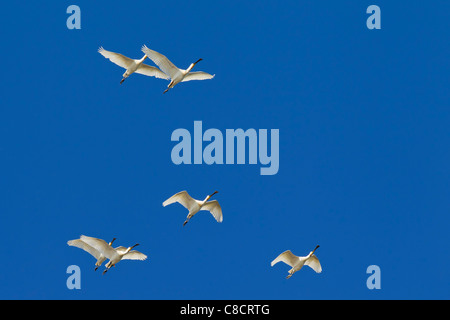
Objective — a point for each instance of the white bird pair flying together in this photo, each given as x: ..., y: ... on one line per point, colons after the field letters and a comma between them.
x: 297, y: 263
x: 168, y: 70
x: 91, y: 250
x: 195, y: 206
x: 101, y: 250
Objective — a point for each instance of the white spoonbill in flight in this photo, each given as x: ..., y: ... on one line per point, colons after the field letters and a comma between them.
x: 113, y: 254
x: 297, y: 262
x: 94, y: 252
x: 195, y: 206
x: 176, y: 75
x: 132, y: 65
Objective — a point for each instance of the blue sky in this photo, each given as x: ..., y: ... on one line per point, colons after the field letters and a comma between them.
x: 364, y: 170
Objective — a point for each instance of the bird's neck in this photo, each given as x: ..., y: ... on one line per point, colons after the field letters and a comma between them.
x: 312, y: 252
x: 128, y: 250
x: 190, y: 68
x: 206, y: 199
x: 143, y: 58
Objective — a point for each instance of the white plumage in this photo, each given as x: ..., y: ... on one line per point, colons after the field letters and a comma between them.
x: 195, y: 206
x: 94, y: 252
x: 176, y: 75
x: 132, y: 65
x: 297, y: 263
x: 113, y: 254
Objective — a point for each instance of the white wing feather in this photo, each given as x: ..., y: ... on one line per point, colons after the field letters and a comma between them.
x: 101, y: 246
x: 287, y: 257
x: 162, y: 62
x: 197, y: 75
x: 314, y: 264
x: 120, y: 250
x: 215, y: 209
x: 83, y: 245
x: 150, y: 71
x: 134, y: 255
x: 116, y: 58
x: 183, y: 198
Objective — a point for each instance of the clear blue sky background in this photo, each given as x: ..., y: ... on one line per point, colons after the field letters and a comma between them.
x: 364, y: 149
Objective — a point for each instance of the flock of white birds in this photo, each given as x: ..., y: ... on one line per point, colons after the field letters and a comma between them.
x: 100, y: 249
x: 167, y: 70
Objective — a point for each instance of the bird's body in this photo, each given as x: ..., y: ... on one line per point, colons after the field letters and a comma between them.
x: 113, y: 254
x: 94, y: 252
x: 175, y: 74
x: 195, y: 206
x: 297, y: 263
x: 132, y: 65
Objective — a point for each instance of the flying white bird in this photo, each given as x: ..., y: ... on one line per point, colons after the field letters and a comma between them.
x: 94, y: 252
x: 113, y: 254
x: 175, y: 74
x: 297, y: 262
x: 195, y: 206
x: 132, y: 65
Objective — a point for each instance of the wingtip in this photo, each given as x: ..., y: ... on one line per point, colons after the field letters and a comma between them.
x: 83, y: 237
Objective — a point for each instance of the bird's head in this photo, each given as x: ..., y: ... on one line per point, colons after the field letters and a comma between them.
x: 209, y: 197
x: 213, y: 193
x: 314, y: 249
x: 192, y: 65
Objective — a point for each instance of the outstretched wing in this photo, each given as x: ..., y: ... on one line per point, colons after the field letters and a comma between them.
x: 150, y: 71
x: 314, y: 264
x: 197, y: 75
x: 120, y: 250
x: 183, y: 198
x: 101, y: 246
x: 162, y: 62
x: 134, y: 255
x: 215, y: 209
x: 116, y: 58
x: 83, y: 245
x: 287, y: 257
